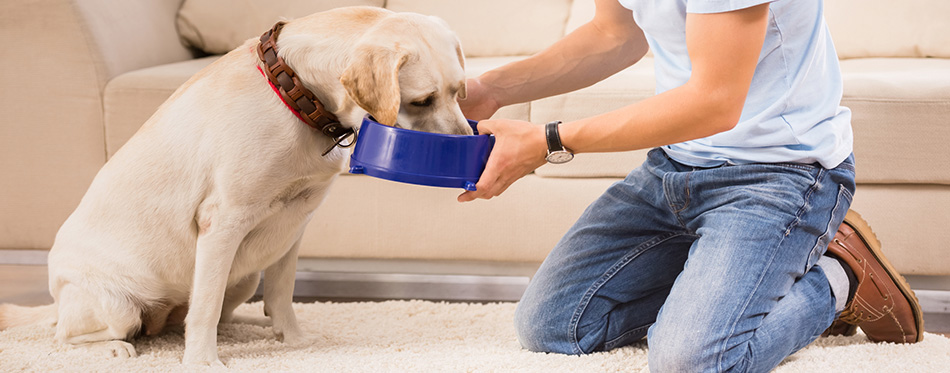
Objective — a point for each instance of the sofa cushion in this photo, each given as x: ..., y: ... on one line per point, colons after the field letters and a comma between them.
x: 900, y: 108
x: 581, y: 13
x: 516, y: 27
x: 887, y: 28
x: 520, y: 27
x: 863, y: 28
x: 218, y: 26
x: 901, y: 118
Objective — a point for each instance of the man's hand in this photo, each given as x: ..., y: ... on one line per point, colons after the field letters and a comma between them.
x: 478, y: 103
x: 520, y: 148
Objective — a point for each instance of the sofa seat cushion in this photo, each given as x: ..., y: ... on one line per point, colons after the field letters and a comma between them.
x: 900, y: 111
x: 901, y: 118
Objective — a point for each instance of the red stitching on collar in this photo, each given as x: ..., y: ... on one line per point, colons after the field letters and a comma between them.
x: 280, y: 96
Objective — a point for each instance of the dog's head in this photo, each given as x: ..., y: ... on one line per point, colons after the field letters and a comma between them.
x: 408, y: 71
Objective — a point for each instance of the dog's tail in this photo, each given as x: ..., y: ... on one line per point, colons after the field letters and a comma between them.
x: 13, y: 315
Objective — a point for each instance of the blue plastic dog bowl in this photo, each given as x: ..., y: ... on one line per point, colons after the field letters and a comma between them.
x: 422, y: 158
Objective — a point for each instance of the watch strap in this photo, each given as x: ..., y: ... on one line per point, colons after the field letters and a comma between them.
x: 553, y: 137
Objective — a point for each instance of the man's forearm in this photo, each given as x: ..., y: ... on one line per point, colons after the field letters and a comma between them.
x: 681, y: 114
x: 582, y: 58
x: 724, y: 50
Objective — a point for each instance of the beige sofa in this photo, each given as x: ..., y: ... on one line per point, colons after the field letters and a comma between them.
x: 81, y: 76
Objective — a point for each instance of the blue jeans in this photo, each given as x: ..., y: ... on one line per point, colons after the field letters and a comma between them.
x: 715, y: 266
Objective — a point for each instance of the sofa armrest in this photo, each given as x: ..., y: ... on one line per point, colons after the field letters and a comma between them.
x: 58, y: 56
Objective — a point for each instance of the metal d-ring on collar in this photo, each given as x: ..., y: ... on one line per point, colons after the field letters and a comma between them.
x: 339, y: 141
x: 301, y: 101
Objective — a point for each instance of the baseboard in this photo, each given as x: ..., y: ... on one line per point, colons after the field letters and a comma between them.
x: 23, y: 257
x: 934, y: 301
x: 447, y: 280
x: 382, y: 286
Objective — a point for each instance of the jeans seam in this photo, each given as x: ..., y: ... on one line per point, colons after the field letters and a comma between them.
x: 669, y: 191
x: 606, y: 277
x: 798, y: 216
x: 750, y: 357
x: 805, y: 204
x: 611, y: 344
x: 830, y: 229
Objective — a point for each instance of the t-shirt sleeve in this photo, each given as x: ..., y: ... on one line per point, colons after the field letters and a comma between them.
x: 720, y: 6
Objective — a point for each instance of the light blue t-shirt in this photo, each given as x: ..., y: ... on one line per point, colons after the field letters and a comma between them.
x: 793, y: 111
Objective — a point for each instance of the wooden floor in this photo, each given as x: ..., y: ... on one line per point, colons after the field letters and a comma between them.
x: 27, y: 285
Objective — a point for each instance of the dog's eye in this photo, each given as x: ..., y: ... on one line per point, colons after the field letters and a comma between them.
x: 426, y: 102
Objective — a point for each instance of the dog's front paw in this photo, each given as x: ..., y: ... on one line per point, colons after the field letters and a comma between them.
x: 201, y: 359
x: 295, y: 338
x: 204, y: 363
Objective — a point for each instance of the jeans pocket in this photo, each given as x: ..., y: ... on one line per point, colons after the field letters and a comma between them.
x: 842, y: 204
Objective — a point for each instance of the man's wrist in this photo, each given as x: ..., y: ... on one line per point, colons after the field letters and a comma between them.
x: 557, y: 153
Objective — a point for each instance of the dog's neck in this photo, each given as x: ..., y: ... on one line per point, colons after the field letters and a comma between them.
x: 300, y: 100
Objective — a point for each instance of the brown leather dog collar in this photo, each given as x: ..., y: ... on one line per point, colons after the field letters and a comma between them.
x: 301, y: 101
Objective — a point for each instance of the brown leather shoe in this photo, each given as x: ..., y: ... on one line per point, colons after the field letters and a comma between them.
x: 839, y: 327
x: 884, y: 306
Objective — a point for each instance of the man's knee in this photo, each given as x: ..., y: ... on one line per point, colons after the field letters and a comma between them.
x: 672, y: 351
x: 667, y: 358
x: 670, y: 355
x: 537, y: 332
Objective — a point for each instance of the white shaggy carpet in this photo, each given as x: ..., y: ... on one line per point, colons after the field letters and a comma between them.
x: 418, y: 336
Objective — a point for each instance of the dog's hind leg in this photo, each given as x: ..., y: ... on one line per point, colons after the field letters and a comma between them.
x: 153, y: 320
x: 96, y: 324
x: 237, y: 295
x: 161, y: 315
x: 278, y: 297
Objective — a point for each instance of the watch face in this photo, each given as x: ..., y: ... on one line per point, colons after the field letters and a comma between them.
x: 560, y: 157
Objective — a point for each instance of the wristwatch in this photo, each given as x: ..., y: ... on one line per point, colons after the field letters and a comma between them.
x: 557, y: 153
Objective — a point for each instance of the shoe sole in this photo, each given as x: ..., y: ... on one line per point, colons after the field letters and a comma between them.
x: 865, y: 233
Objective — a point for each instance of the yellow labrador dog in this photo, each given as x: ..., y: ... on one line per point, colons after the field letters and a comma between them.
x: 219, y: 184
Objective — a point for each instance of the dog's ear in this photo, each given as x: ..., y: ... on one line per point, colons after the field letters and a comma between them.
x: 463, y: 93
x: 372, y: 81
